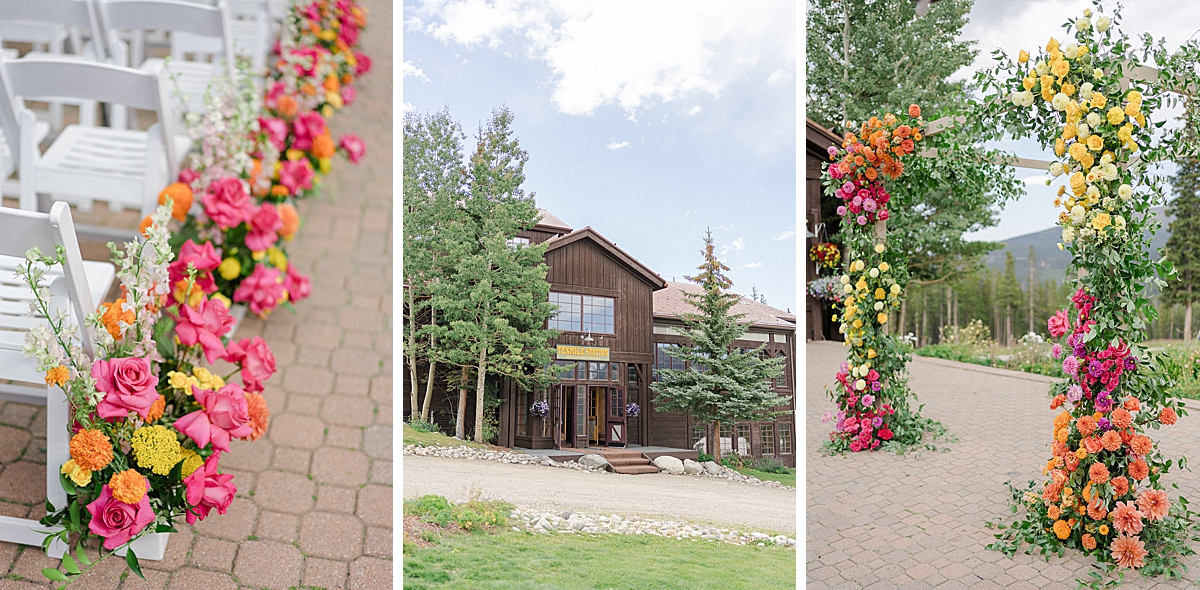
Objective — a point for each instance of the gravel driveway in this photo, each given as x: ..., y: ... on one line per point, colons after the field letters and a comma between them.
x: 681, y: 497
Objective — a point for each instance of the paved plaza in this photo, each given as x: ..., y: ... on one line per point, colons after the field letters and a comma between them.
x: 314, y: 499
x: 877, y: 520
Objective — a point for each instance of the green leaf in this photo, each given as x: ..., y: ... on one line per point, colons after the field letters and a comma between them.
x: 55, y: 575
x: 132, y: 561
x: 82, y: 556
x: 69, y: 563
x: 67, y: 484
x: 75, y: 515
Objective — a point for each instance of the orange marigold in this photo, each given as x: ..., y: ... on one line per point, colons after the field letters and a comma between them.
x: 156, y: 409
x: 290, y: 219
x: 1141, y: 444
x: 1053, y: 512
x: 1098, y: 472
x: 114, y: 314
x: 58, y: 376
x: 181, y: 199
x: 91, y: 450
x: 1111, y: 440
x: 286, y: 106
x: 1132, y: 404
x: 914, y: 111
x: 144, y: 226
x: 1138, y: 470
x: 1062, y: 420
x: 322, y: 146
x: 1167, y: 416
x: 1089, y: 542
x: 1062, y: 530
x: 1129, y: 551
x: 128, y: 486
x: 1086, y: 425
x: 1121, y: 418
x: 1120, y: 485
x: 1127, y: 518
x: 260, y: 416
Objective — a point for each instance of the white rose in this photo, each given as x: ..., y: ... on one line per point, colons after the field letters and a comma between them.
x: 1060, y: 102
x: 1126, y: 192
x: 1094, y: 119
x: 878, y: 305
x: 1056, y: 169
x: 1106, y: 158
x: 1083, y: 23
x: 879, y: 248
x: 1072, y: 51
x: 1103, y: 23
x: 860, y: 385
x: 1085, y: 90
x: 1087, y: 12
x: 1077, y: 213
x: 1083, y: 131
x: 874, y: 272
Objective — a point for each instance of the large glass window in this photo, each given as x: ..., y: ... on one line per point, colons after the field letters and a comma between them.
x: 663, y: 360
x: 785, y: 439
x: 726, y: 439
x: 523, y: 413
x: 698, y: 433
x: 569, y: 374
x: 743, y: 440
x: 768, y: 439
x: 582, y: 313
x: 598, y: 371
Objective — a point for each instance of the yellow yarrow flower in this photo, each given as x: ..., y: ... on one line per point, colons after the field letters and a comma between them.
x: 230, y: 268
x: 191, y: 461
x: 156, y: 448
x: 276, y: 258
x: 78, y: 475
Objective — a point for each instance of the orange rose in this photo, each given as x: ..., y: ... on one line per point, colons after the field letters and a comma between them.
x: 322, y: 146
x: 1131, y: 404
x: 1092, y: 445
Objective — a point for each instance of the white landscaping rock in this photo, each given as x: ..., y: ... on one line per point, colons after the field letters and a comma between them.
x: 691, y: 467
x: 712, y: 467
x: 548, y: 522
x: 594, y: 461
x: 669, y: 464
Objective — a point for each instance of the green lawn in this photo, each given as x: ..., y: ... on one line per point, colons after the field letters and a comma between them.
x: 433, y: 439
x: 787, y: 479
x: 528, y: 561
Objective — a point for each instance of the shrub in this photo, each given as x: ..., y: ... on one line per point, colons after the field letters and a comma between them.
x: 770, y: 464
x: 473, y: 515
x: 702, y: 457
x: 423, y: 426
x: 736, y: 461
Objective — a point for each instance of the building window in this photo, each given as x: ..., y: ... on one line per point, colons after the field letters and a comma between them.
x: 726, y: 439
x: 768, y: 439
x: 663, y: 360
x: 614, y: 371
x: 743, y: 440
x: 780, y: 382
x: 631, y: 369
x: 785, y: 439
x: 523, y: 412
x: 517, y: 242
x: 597, y: 371
x: 582, y: 313
x: 569, y: 374
x: 698, y: 433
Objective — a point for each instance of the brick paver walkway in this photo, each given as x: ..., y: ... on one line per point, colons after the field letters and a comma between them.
x: 876, y: 520
x: 314, y: 506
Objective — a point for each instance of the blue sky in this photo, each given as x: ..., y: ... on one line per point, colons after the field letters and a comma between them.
x: 644, y: 121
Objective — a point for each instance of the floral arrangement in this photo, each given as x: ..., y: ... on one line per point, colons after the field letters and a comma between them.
x: 872, y: 395
x: 827, y: 288
x: 539, y: 408
x: 633, y: 410
x: 825, y: 254
x: 1104, y: 494
x: 149, y: 423
x: 317, y: 62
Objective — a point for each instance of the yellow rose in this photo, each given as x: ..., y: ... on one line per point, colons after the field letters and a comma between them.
x: 1068, y: 89
x: 1052, y: 44
x: 1116, y: 115
x: 1134, y: 96
x: 1078, y: 150
x: 858, y: 323
x: 871, y: 353
x: 230, y: 268
x: 1060, y: 68
x: 1141, y: 119
x: 77, y: 474
x: 1047, y: 91
x: 1133, y: 108
x: 1060, y: 147
x: 1023, y: 57
x: 1101, y: 221
x: 1029, y: 83
x: 1078, y: 185
x: 884, y: 267
x: 1069, y: 131
x: 1083, y: 50
x: 1095, y: 142
x: 882, y: 317
x: 1098, y: 101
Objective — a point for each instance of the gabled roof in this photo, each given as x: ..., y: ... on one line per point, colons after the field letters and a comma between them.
x: 610, y: 248
x: 670, y: 303
x: 819, y: 137
x: 548, y: 221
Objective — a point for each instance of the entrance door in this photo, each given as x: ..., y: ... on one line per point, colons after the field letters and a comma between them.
x: 596, y: 397
x: 616, y: 416
x: 560, y: 415
x: 581, y: 416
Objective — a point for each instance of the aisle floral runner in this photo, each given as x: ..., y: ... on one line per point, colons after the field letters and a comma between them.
x: 149, y: 421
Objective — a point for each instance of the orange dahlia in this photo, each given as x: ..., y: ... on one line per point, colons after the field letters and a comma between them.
x: 1096, y: 509
x: 1086, y: 425
x: 260, y: 416
x: 1141, y: 444
x: 1154, y: 504
x: 1167, y: 416
x: 91, y: 450
x: 128, y: 486
x: 1089, y: 542
x: 1098, y: 473
x: 1138, y: 470
x: 1111, y: 440
x: 1129, y: 551
x: 1120, y: 485
x: 1127, y: 518
x: 1121, y: 418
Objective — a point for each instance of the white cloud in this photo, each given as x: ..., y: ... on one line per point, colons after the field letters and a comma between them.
x: 689, y: 212
x: 751, y: 265
x: 738, y: 243
x: 408, y: 69
x: 785, y: 235
x: 776, y: 77
x: 613, y: 145
x: 623, y: 52
x: 694, y: 110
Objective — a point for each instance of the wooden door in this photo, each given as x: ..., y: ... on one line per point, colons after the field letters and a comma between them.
x: 581, y: 416
x: 560, y: 416
x: 616, y: 429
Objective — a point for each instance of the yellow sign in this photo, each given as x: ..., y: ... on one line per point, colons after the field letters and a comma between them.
x: 582, y: 353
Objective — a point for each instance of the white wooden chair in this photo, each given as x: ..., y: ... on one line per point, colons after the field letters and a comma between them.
x: 75, y: 286
x: 123, y: 167
x: 191, y: 77
x: 250, y: 29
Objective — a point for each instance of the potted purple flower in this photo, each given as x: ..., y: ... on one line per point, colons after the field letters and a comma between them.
x: 632, y: 410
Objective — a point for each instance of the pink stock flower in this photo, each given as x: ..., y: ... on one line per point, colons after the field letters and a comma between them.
x: 188, y: 176
x: 117, y: 522
x: 203, y: 257
x: 1058, y: 323
x: 224, y: 415
x: 298, y: 286
x: 263, y: 289
x: 296, y: 175
x: 127, y: 384
x: 363, y: 63
x: 204, y: 325
x: 265, y: 224
x: 256, y: 360
x: 276, y: 130
x: 207, y: 489
x: 227, y: 203
x: 349, y: 94
x: 307, y: 127
x: 355, y: 148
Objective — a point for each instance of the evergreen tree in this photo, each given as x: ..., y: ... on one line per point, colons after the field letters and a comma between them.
x: 724, y: 384
x: 1183, y: 247
x: 1008, y: 295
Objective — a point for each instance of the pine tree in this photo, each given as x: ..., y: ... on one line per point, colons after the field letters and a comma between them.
x: 1183, y: 247
x: 1008, y: 294
x: 724, y: 384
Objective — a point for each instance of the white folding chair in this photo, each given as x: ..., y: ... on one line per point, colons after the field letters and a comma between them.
x: 249, y: 27
x: 191, y: 77
x: 124, y: 167
x: 74, y: 286
x: 47, y: 25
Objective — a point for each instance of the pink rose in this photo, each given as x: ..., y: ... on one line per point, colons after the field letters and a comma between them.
x: 207, y: 489
x: 127, y: 384
x: 276, y: 130
x: 307, y: 127
x: 1058, y: 323
x: 204, y: 325
x: 188, y: 176
x: 276, y: 90
x: 256, y: 360
x: 298, y: 286
x: 355, y: 148
x: 349, y: 34
x: 349, y: 94
x: 363, y: 63
x: 263, y: 289
x: 296, y: 175
x: 227, y: 203
x: 204, y: 257
x: 265, y: 224
x: 117, y: 522
x: 224, y: 414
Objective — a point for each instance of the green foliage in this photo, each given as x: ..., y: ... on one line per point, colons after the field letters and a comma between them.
x: 422, y: 426
x: 770, y: 464
x: 1183, y: 247
x: 702, y: 457
x: 475, y: 515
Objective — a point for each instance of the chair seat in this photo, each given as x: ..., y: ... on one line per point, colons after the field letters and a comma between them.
x: 190, y: 78
x: 98, y: 163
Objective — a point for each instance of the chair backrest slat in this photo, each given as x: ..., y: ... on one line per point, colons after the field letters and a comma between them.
x: 72, y: 78
x: 168, y: 15
x: 68, y: 13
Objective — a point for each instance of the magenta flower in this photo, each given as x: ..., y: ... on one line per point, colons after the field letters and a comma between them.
x: 276, y: 130
x: 205, y: 326
x: 276, y: 91
x: 1056, y: 350
x: 349, y: 94
x: 227, y: 203
x: 307, y: 127
x: 265, y: 224
x: 1070, y: 365
x: 363, y: 64
x: 207, y: 489
x: 355, y: 148
x: 256, y: 360
x: 224, y: 415
x: 262, y: 290
x: 117, y: 522
x: 127, y: 384
x: 298, y: 286
x: 188, y: 176
x: 204, y: 258
x: 1058, y: 323
x: 296, y: 175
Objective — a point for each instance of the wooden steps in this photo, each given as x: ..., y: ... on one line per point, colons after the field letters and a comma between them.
x: 629, y: 462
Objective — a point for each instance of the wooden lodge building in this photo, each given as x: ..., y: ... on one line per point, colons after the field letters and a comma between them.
x: 616, y: 316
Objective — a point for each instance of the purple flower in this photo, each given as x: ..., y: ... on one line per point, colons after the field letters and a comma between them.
x: 1080, y: 350
x: 1056, y: 350
x: 1070, y: 365
x: 848, y: 188
x: 1130, y: 363
x: 862, y: 219
x: 1074, y: 393
x: 1095, y: 368
x: 869, y: 204
x: 877, y: 386
x: 838, y: 427
x: 877, y: 422
x: 867, y: 400
x: 832, y: 151
x: 828, y: 415
x: 1103, y: 423
x: 858, y: 201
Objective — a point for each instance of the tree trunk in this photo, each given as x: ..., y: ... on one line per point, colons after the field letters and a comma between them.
x: 432, y: 368
x: 900, y: 329
x: 954, y: 316
x: 480, y: 377
x: 460, y: 422
x: 1187, y: 319
x: 412, y: 348
x: 716, y: 425
x: 924, y: 339
x: 1008, y: 335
